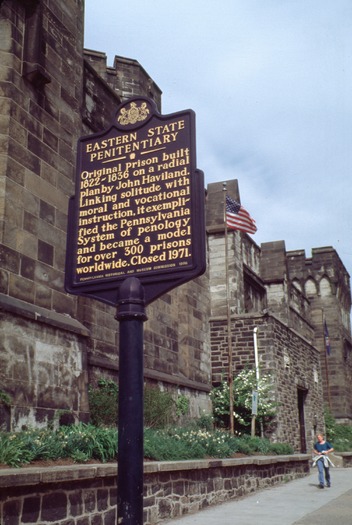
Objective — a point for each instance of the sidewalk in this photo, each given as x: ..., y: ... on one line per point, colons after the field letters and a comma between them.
x: 298, y: 502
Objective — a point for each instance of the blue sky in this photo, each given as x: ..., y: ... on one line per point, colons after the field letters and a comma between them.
x: 271, y: 84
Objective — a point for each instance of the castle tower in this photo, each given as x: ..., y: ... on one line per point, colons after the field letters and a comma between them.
x: 42, y: 358
x: 326, y: 284
x: 262, y: 301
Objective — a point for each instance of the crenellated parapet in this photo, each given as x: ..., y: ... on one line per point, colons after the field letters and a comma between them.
x: 127, y: 78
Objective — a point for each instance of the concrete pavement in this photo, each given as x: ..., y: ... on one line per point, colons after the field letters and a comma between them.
x: 298, y: 502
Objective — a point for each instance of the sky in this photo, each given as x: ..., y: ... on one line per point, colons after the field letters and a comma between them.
x: 270, y: 82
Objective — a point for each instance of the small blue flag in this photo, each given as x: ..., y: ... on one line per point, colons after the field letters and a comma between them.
x: 327, y: 338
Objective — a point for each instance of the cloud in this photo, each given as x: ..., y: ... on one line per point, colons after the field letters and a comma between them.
x: 271, y: 85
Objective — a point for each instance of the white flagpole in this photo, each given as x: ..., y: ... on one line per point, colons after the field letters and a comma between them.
x: 256, y: 361
x: 229, y: 334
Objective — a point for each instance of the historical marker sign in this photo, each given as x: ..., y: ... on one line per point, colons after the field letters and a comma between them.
x: 138, y: 209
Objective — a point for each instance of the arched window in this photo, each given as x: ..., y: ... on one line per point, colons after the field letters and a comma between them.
x: 325, y: 287
x: 310, y: 288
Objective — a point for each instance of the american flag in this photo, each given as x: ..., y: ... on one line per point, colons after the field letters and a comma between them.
x: 238, y: 218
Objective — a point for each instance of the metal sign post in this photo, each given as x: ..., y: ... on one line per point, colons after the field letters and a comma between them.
x: 131, y: 314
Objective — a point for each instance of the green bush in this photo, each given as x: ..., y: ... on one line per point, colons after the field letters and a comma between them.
x: 204, y: 421
x: 180, y: 444
x: 342, y: 441
x: 83, y: 442
x: 161, y: 445
x: 160, y: 409
x: 215, y: 443
x: 19, y: 448
x: 12, y: 451
x: 92, y: 442
x: 281, y: 449
x: 330, y: 425
x: 253, y: 445
x: 43, y: 443
x: 103, y: 403
x: 250, y: 446
x: 79, y: 442
x: 182, y: 405
x: 340, y: 436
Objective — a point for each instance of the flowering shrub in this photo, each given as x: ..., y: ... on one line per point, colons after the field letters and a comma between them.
x: 182, y: 443
x: 243, y: 385
x: 82, y: 443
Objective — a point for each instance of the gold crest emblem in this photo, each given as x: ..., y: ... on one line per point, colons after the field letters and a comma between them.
x: 133, y: 114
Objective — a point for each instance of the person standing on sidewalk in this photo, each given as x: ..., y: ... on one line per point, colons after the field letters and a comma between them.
x: 322, y: 448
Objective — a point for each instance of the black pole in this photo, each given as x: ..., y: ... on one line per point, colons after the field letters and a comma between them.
x: 131, y: 314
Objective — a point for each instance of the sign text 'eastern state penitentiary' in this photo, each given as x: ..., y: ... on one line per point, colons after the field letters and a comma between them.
x: 139, y: 201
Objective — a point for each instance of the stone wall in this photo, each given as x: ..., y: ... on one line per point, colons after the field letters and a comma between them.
x: 304, y: 292
x: 87, y: 494
x: 41, y: 123
x: 176, y: 344
x: 218, y: 271
x: 346, y: 459
x: 219, y: 267
x: 43, y: 363
x: 99, y: 107
x: 290, y: 360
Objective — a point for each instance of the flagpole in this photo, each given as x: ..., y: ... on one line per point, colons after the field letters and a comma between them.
x: 326, y: 359
x: 229, y: 334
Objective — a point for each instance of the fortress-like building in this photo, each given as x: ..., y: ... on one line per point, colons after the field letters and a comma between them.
x: 53, y: 345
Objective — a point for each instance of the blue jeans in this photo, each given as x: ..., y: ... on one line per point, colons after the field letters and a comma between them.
x: 322, y: 469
